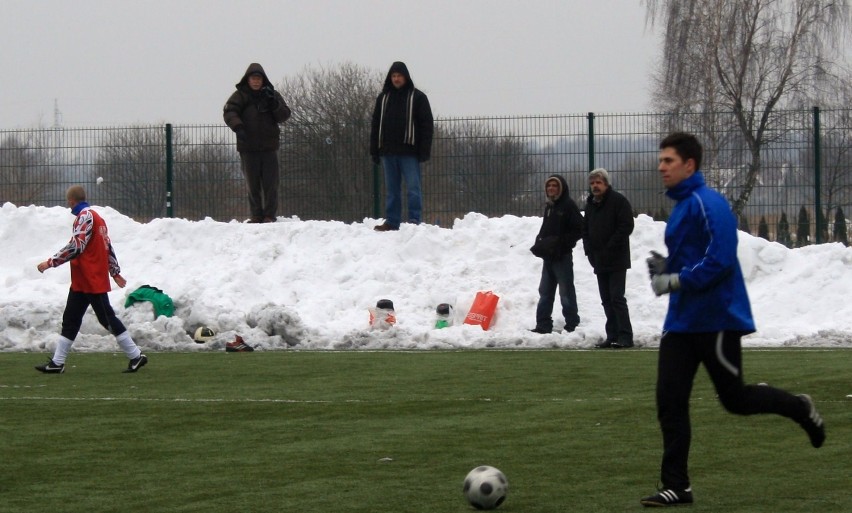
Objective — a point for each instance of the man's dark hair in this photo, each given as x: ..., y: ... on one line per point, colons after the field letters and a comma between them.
x: 685, y: 145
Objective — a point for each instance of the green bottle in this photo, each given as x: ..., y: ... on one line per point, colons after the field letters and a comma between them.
x: 445, y: 316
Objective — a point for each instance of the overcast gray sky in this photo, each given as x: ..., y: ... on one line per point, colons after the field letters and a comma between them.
x: 151, y: 61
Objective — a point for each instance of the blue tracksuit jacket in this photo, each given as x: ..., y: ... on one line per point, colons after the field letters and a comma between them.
x: 701, y: 236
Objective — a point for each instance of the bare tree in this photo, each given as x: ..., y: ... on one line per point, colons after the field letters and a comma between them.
x: 480, y: 169
x: 133, y: 164
x: 640, y: 182
x: 837, y: 155
x: 325, y: 160
x: 749, y: 57
x: 208, y: 181
x: 25, y: 167
x: 837, y: 165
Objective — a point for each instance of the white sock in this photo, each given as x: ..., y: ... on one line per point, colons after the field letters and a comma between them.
x: 128, y: 345
x: 60, y: 354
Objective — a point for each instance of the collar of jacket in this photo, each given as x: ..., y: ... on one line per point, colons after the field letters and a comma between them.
x: 685, y: 188
x: 79, y: 208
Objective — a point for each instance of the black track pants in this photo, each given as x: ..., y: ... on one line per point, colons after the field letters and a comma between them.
x: 721, y: 354
x: 75, y: 309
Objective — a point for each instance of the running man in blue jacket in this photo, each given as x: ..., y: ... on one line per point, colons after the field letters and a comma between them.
x: 709, y: 313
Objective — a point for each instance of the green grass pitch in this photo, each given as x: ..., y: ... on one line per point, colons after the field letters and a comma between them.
x: 398, y: 431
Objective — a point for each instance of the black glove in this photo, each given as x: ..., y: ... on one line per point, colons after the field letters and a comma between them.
x: 241, y: 133
x: 656, y: 264
x: 268, y: 91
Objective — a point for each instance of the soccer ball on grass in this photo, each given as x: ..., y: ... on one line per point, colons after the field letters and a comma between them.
x: 485, y: 487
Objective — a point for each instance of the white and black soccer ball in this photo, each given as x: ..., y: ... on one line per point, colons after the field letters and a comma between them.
x: 485, y: 487
x: 203, y: 334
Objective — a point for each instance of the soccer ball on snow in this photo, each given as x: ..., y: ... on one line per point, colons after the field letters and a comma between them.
x: 485, y: 487
x: 203, y: 334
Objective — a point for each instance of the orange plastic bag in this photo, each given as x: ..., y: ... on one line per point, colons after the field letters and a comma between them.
x: 482, y: 310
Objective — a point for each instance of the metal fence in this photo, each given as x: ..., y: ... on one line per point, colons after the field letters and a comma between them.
x: 494, y: 166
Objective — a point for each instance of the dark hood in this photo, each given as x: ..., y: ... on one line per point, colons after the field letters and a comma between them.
x: 398, y: 67
x: 253, y: 68
x: 563, y: 187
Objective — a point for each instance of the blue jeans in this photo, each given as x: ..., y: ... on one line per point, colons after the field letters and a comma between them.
x: 398, y: 168
x: 557, y: 273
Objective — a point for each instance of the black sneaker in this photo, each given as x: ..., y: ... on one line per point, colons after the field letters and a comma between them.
x: 621, y: 345
x: 812, y: 424
x: 604, y: 344
x: 668, y: 497
x: 51, y: 368
x: 136, y: 363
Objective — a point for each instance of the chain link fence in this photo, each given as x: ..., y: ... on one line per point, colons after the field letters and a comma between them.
x: 494, y: 166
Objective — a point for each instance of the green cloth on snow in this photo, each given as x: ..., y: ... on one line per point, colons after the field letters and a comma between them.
x: 163, y: 304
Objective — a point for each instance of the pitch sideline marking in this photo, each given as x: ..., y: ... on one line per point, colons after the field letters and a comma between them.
x: 287, y: 401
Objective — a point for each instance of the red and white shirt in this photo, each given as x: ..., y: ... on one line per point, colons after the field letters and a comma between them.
x: 90, y: 252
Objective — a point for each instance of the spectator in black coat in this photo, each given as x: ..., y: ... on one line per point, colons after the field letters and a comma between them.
x: 253, y: 112
x: 561, y: 228
x: 401, y: 138
x: 607, y: 226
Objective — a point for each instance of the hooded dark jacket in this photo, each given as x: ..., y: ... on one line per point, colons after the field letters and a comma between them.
x: 561, y: 225
x: 606, y: 232
x: 402, y: 119
x: 257, y: 114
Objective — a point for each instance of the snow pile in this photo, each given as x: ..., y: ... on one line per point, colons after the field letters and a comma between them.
x: 309, y: 284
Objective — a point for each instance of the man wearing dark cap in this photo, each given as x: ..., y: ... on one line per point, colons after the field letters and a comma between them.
x: 607, y: 226
x: 253, y: 112
x: 401, y: 138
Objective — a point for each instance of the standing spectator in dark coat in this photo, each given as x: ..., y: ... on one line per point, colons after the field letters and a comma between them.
x: 253, y: 112
x: 401, y: 138
x: 561, y: 227
x: 607, y: 226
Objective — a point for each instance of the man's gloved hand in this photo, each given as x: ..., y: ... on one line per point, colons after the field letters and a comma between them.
x: 665, y: 283
x: 656, y: 264
x: 268, y: 91
x: 241, y: 133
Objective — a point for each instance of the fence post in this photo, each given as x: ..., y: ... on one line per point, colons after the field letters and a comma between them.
x: 591, y: 118
x: 377, y: 190
x: 820, y: 219
x: 170, y: 162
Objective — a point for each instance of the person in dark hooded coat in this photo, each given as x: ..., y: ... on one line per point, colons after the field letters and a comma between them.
x: 253, y: 112
x: 401, y: 138
x: 561, y: 228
